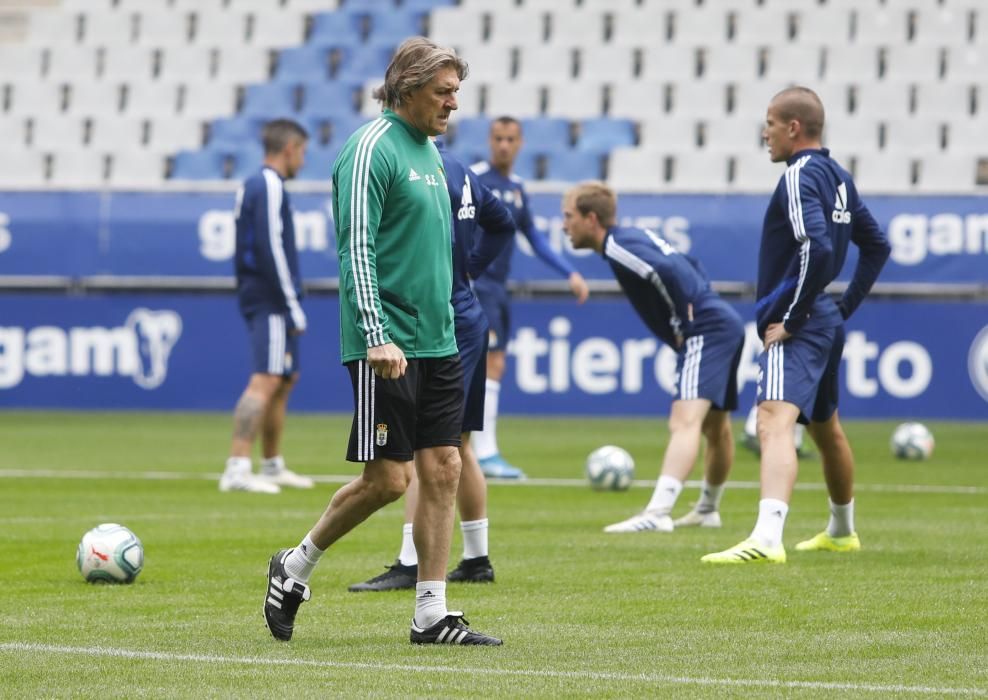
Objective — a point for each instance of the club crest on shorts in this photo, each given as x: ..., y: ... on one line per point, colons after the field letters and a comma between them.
x: 381, y: 434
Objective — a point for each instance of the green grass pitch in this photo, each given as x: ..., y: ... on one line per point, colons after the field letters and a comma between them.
x: 582, y: 613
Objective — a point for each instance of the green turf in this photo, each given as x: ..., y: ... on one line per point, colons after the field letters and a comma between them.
x: 582, y: 613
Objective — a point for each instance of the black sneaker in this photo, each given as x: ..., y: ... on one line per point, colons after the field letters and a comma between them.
x: 476, y: 570
x: 282, y: 598
x: 398, y: 577
x: 452, y: 629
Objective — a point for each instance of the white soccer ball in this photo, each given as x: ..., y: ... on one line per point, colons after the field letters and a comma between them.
x: 610, y: 468
x: 912, y: 441
x: 110, y: 553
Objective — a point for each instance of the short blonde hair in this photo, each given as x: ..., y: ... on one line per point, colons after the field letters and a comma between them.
x: 415, y: 63
x: 596, y: 197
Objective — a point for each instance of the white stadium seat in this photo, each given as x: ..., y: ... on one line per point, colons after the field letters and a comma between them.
x: 77, y: 168
x: 136, y: 169
x: 89, y: 99
x: 116, y: 132
x: 21, y: 167
x: 168, y: 134
x: 913, y: 63
x: 757, y: 25
x: 219, y: 27
x: 157, y: 27
x: 822, y: 26
x: 577, y: 27
x: 276, y: 29
x: 511, y: 27
x: 967, y: 63
x: 916, y: 136
x: 636, y: 170
x: 29, y: 98
x: 948, y: 172
x: 640, y: 27
x: 207, y: 100
x: 468, y: 100
x: 67, y: 62
x: 669, y: 134
x: 57, y: 132
x: 126, y: 63
x: 883, y: 25
x: 178, y: 63
x: 243, y: 64
x: 944, y: 100
x: 701, y: 100
x: 517, y: 99
x: 700, y: 171
x: 19, y: 62
x: 108, y: 28
x: 546, y: 63
x: 53, y: 27
x: 854, y: 134
x: 670, y: 62
x: 575, y: 100
x: 887, y: 99
x: 941, y: 26
x: 732, y: 134
x: 14, y: 129
x: 731, y: 62
x: 489, y: 63
x: 151, y: 99
x: 700, y: 26
x: 608, y: 62
x: 452, y: 26
x: 963, y: 135
x: 755, y: 172
x: 797, y: 63
x: 886, y: 172
x: 851, y: 63
x: 637, y: 100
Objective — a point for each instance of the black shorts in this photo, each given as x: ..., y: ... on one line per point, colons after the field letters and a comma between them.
x: 393, y: 418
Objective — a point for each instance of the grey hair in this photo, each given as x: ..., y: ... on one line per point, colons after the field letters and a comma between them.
x: 415, y: 63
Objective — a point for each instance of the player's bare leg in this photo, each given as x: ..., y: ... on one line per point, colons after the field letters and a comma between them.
x: 838, y: 471
x: 471, y: 498
x: 718, y: 458
x: 273, y: 467
x: 248, y: 417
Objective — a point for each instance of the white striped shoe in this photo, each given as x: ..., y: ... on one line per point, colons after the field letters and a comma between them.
x: 452, y: 629
x: 643, y: 522
x: 697, y: 519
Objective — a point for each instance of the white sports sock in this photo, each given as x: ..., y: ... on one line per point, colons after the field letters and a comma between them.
x: 407, y: 556
x: 273, y: 465
x: 239, y: 466
x: 841, y: 519
x: 474, y: 538
x: 485, y: 441
x: 751, y: 422
x: 430, y: 603
x: 302, y: 560
x: 664, y: 496
x: 797, y: 435
x: 709, y: 497
x: 771, y: 520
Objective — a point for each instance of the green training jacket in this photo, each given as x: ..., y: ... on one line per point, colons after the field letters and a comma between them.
x: 393, y: 239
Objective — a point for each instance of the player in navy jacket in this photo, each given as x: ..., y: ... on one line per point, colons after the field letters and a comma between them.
x: 814, y: 214
x: 482, y: 228
x: 269, y: 287
x: 492, y: 285
x: 672, y: 295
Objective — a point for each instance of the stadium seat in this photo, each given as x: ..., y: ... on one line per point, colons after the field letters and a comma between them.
x: 604, y: 134
x: 328, y: 98
x: 341, y: 128
x: 731, y: 62
x: 359, y: 65
x: 425, y: 5
x: 732, y: 134
x: 126, y: 63
x: 853, y: 134
x: 637, y: 170
x: 303, y: 64
x: 231, y: 134
x: 580, y: 27
x: 169, y: 134
x: 750, y: 99
x: 796, y: 63
x: 967, y: 63
x: 646, y: 27
x: 707, y: 99
x: 53, y: 27
x: 707, y: 25
x: 944, y: 100
x: 908, y: 64
x: 544, y: 63
x: 636, y: 99
x: 527, y: 164
x: 15, y: 130
x: 575, y: 100
x: 53, y: 132
x: 670, y: 62
x: 701, y: 171
x: 942, y: 26
x: 32, y: 97
x: 391, y: 27
x: 268, y: 100
x: 22, y: 167
x: 616, y: 5
x: 954, y: 173
x: 163, y: 28
x: 822, y: 26
x: 18, y: 61
x: 754, y: 25
x: 517, y: 99
x: 573, y: 166
x: 212, y: 27
x: 108, y: 28
x: 247, y: 160
x: 131, y: 169
x: 836, y: 98
x: 755, y: 172
x: 319, y: 163
x: 890, y: 99
x: 242, y: 64
x: 181, y: 63
x: 488, y: 63
x: 275, y: 28
x: 546, y: 134
x: 473, y: 132
x: 205, y: 100
x: 965, y: 135
x: 78, y: 168
x: 886, y: 172
x: 335, y: 30
x: 607, y: 62
x: 198, y: 165
x: 851, y: 63
x: 669, y: 134
x: 115, y: 132
x: 885, y: 25
x: 70, y: 63
x: 94, y: 99
x: 917, y: 136
x: 469, y: 99
x: 468, y: 154
x: 150, y: 99
x: 453, y: 26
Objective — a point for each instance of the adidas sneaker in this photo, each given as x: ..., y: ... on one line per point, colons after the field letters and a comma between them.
x: 452, y: 629
x: 282, y: 598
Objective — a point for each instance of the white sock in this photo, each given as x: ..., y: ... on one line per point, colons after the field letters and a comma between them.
x: 751, y: 422
x: 273, y: 465
x: 841, y: 519
x: 797, y: 435
x: 474, y: 538
x: 771, y: 520
x: 238, y: 466
x: 302, y: 560
x: 664, y: 497
x: 430, y: 603
x: 709, y: 498
x: 485, y: 441
x: 407, y: 556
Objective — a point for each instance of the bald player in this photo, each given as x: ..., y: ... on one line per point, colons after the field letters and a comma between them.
x: 814, y: 214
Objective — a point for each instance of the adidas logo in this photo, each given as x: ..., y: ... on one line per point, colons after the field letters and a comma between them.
x: 413, y: 176
x: 467, y: 209
x: 840, y: 214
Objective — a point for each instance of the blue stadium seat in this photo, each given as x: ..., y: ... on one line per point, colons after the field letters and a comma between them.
x: 471, y: 132
x: 425, y: 5
x: 340, y: 127
x: 319, y: 163
x: 527, y: 164
x: 230, y: 134
x: 336, y: 30
x: 603, y: 134
x: 360, y: 64
x: 198, y: 165
x: 246, y: 161
x: 573, y: 166
x: 391, y: 27
x: 302, y: 64
x: 328, y: 99
x: 546, y: 134
x: 269, y: 100
x: 470, y: 153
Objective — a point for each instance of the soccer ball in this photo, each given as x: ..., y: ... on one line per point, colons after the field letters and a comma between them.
x: 110, y: 553
x: 912, y: 441
x: 610, y: 468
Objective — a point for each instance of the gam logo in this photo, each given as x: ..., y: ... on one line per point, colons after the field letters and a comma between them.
x: 138, y: 349
x: 977, y: 363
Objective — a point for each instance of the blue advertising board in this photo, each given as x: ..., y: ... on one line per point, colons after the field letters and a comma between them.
x: 934, y: 239
x: 186, y: 352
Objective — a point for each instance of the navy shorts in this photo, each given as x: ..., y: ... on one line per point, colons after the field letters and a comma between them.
x: 393, y: 418
x: 472, y: 343
x: 804, y: 371
x: 273, y: 349
x: 496, y: 303
x: 707, y: 366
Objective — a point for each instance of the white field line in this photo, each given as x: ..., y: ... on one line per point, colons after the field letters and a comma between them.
x: 51, y: 649
x: 581, y: 483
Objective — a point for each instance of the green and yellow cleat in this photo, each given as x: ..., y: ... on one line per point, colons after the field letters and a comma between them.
x: 825, y: 543
x: 748, y: 552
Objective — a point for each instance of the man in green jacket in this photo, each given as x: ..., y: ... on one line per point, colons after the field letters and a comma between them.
x: 393, y: 236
